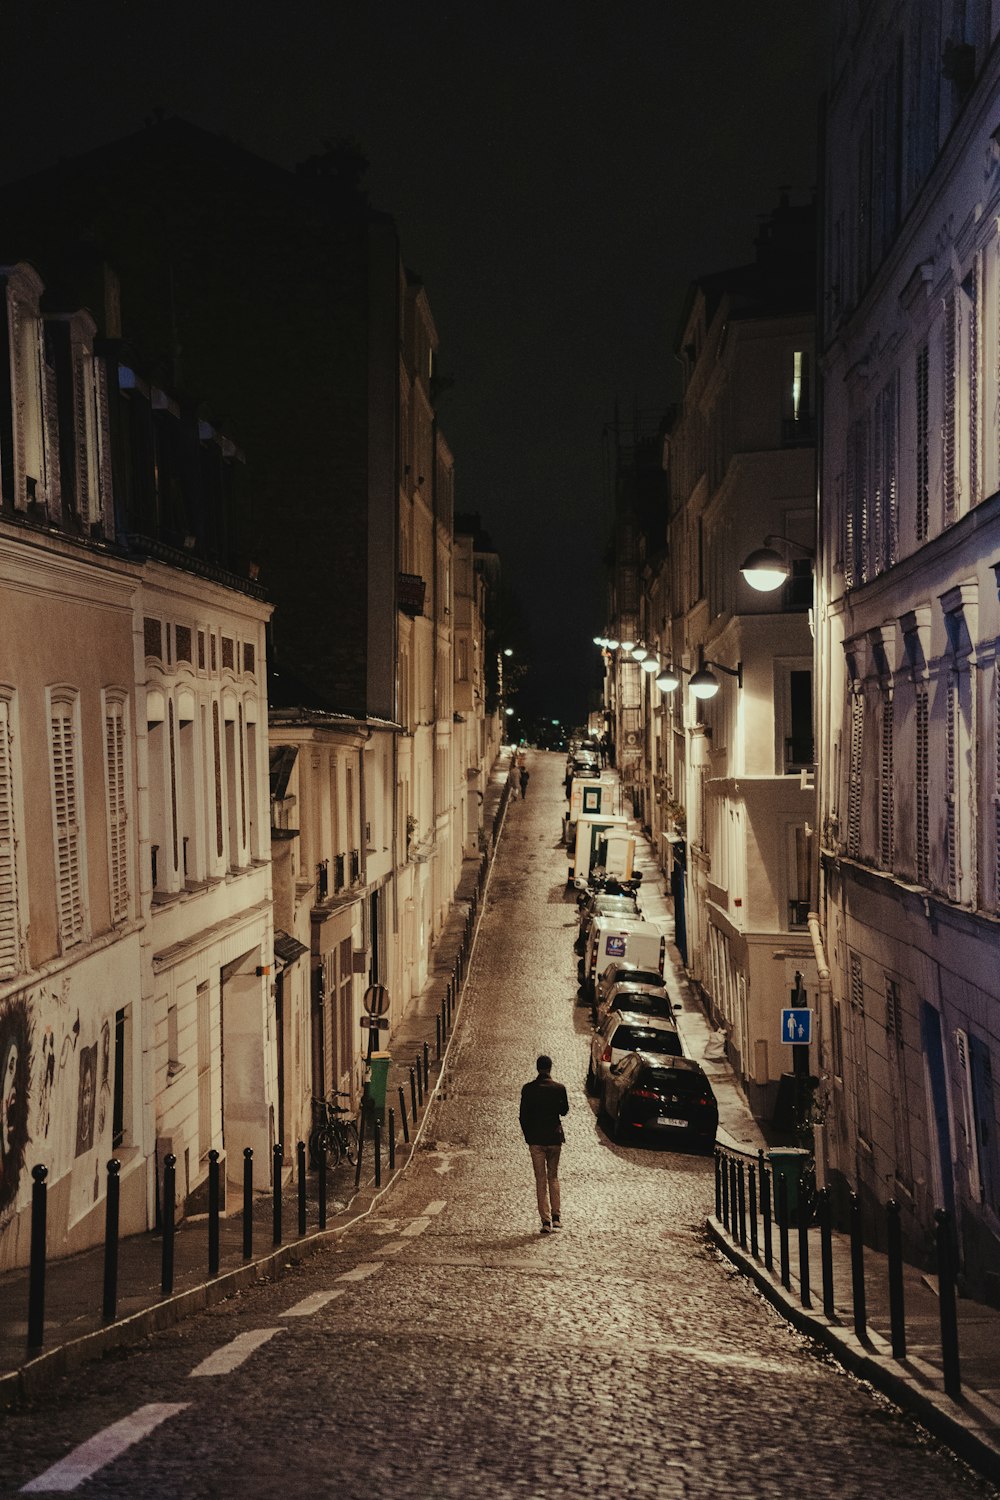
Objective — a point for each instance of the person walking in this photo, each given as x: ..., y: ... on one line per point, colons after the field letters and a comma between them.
x: 525, y: 773
x: 543, y: 1103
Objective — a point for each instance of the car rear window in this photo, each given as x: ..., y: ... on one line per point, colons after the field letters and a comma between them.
x: 678, y: 1082
x: 647, y: 1039
x: 640, y: 1000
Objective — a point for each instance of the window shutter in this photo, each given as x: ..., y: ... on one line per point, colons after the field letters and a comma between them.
x: 9, y: 943
x: 922, y: 777
x: 951, y: 785
x: 886, y: 810
x: 948, y: 454
x: 81, y: 435
x: 890, y: 497
x: 115, y: 752
x: 973, y: 287
x: 65, y: 791
x: 19, y: 404
x: 923, y: 462
x: 854, y: 775
x: 103, y: 423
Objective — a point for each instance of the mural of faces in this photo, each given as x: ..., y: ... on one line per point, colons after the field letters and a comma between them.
x: 86, y: 1100
x: 15, y: 1081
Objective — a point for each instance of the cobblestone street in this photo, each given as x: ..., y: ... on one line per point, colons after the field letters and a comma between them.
x: 442, y: 1347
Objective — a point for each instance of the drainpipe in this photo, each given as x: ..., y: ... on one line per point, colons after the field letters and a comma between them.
x: 826, y: 1017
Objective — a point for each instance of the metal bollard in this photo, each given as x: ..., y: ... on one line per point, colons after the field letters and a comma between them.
x: 420, y: 1081
x: 718, y: 1184
x: 36, y: 1275
x: 247, y: 1202
x: 213, y: 1213
x: 448, y: 1001
x: 725, y: 1190
x: 169, y: 1206
x: 300, y: 1155
x: 392, y: 1140
x: 427, y: 1068
x: 752, y: 1205
x: 111, y: 1208
x: 805, y: 1296
x: 377, y: 1147
x: 734, y: 1213
x: 402, y: 1114
x: 321, y: 1186
x: 361, y: 1150
x: 437, y: 1037
x: 278, y: 1156
x: 897, y: 1312
x: 413, y: 1094
x: 742, y: 1204
x: 946, y: 1297
x: 826, y: 1249
x: 765, y: 1213
x: 858, y: 1271
x: 782, y: 1188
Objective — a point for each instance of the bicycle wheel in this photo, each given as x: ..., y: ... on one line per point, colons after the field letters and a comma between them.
x: 325, y: 1139
x: 349, y: 1142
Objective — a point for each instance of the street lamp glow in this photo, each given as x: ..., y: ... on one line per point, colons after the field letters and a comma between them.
x: 508, y: 712
x: 650, y: 664
x: 628, y: 645
x: 612, y: 644
x: 508, y: 651
x: 598, y: 640
x: 765, y: 570
x: 639, y: 652
x: 668, y: 680
x: 704, y: 684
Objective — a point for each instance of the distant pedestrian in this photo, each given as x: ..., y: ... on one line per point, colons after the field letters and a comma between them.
x: 543, y: 1103
x: 512, y: 780
x: 525, y: 773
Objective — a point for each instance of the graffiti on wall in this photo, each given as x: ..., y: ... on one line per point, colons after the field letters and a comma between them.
x: 15, y: 1095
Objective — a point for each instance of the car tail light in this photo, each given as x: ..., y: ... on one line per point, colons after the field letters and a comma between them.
x: 645, y: 1094
x: 606, y: 1054
x: 703, y: 1099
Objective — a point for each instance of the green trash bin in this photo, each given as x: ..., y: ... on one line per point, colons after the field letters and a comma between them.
x: 375, y: 1088
x: 786, y: 1165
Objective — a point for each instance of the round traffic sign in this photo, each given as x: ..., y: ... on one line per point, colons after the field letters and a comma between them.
x: 376, y: 1000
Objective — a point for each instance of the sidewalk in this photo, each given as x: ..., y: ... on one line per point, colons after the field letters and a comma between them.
x: 74, y: 1327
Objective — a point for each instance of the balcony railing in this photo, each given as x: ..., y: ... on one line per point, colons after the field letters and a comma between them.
x: 355, y: 866
x: 338, y: 872
x: 322, y: 880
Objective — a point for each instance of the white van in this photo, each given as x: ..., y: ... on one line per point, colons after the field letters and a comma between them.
x: 591, y: 829
x: 614, y: 940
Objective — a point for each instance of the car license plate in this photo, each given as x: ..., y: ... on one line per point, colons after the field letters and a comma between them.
x: 671, y: 1120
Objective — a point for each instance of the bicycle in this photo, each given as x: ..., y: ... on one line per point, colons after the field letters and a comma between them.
x: 331, y: 1133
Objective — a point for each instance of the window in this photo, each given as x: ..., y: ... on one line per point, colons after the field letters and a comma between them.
x: 854, y: 789
x: 173, y: 1043
x: 116, y: 792
x: 922, y: 449
x: 119, y: 1097
x: 949, y: 482
x: 922, y: 801
x: 64, y: 756
x: 799, y: 859
x: 861, y: 1083
x: 885, y: 809
x: 9, y: 913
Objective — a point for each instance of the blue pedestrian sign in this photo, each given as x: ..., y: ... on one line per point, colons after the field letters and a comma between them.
x: 796, y: 1027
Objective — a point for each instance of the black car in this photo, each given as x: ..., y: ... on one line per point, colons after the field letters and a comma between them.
x: 660, y: 1099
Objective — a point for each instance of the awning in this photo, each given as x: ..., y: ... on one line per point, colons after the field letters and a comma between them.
x: 287, y: 949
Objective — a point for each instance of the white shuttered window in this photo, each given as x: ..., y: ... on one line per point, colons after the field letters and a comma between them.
x: 116, y: 788
x: 67, y: 817
x: 9, y: 923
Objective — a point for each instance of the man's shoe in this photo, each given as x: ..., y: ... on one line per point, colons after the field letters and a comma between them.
x: 556, y: 1222
x: 546, y: 1227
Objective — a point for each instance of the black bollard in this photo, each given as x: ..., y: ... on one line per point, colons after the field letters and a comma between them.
x: 247, y: 1202
x: 300, y: 1154
x: 946, y: 1298
x: 36, y: 1274
x: 448, y: 1001
x: 413, y: 1093
x: 752, y: 1206
x: 111, y: 1207
x: 725, y: 1191
x: 782, y: 1187
x: 377, y: 1148
x: 718, y: 1184
x: 392, y: 1140
x: 894, y: 1248
x: 805, y: 1296
x: 765, y: 1213
x: 213, y: 1213
x: 826, y: 1249
x: 734, y: 1212
x: 402, y: 1114
x: 277, y: 1158
x: 361, y: 1150
x: 437, y: 1037
x: 169, y: 1208
x: 427, y: 1069
x: 858, y: 1271
x: 742, y: 1204
x: 321, y: 1191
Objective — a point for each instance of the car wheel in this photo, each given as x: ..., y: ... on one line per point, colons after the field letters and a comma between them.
x: 591, y: 1081
x: 618, y: 1131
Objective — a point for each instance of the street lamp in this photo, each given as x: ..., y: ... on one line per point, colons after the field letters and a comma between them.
x: 704, y: 684
x: 765, y: 569
x: 650, y: 664
x: 639, y: 652
x: 667, y: 680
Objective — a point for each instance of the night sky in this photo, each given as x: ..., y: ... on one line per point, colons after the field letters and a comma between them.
x: 558, y: 173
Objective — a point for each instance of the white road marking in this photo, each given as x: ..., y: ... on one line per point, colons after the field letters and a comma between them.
x: 436, y: 1206
x: 393, y: 1248
x: 311, y: 1304
x: 362, y: 1272
x: 231, y: 1355
x: 103, y: 1448
x: 417, y: 1227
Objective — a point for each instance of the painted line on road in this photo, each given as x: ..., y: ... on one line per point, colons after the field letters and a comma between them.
x: 232, y: 1355
x: 417, y: 1227
x: 363, y: 1271
x: 436, y: 1206
x: 393, y: 1248
x: 312, y: 1304
x: 103, y: 1448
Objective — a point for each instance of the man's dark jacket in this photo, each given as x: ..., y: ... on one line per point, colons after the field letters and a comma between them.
x: 542, y: 1102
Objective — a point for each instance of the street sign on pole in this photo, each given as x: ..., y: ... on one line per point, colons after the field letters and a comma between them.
x: 796, y: 1027
x: 376, y: 1000
x: 376, y: 1023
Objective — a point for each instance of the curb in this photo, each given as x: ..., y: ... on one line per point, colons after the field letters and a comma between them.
x: 908, y: 1383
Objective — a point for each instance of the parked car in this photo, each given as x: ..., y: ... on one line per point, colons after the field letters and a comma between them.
x: 626, y: 1031
x: 646, y: 999
x: 663, y: 1100
x: 612, y: 938
x: 621, y: 971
